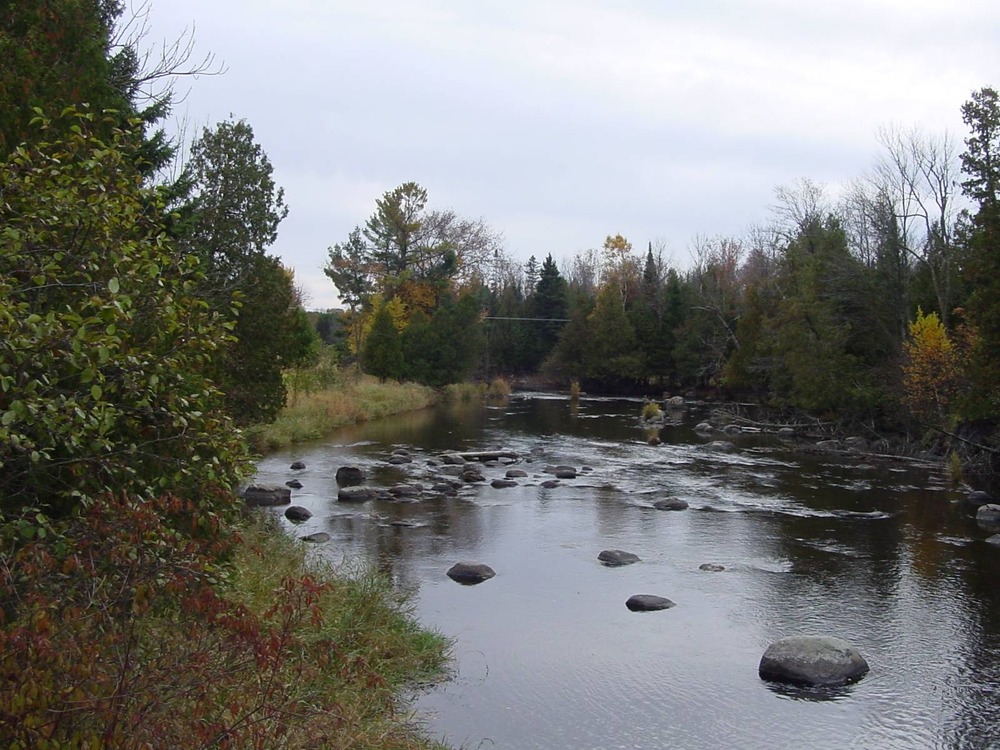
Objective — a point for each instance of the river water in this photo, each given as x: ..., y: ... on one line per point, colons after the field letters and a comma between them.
x: 878, y: 552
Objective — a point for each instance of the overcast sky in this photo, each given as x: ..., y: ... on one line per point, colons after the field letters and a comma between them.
x: 558, y: 122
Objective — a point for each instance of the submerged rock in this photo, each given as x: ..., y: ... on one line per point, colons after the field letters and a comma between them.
x: 671, y: 503
x: 712, y: 567
x: 356, y: 494
x: 398, y: 459
x: 550, y: 483
x: 470, y: 573
x: 720, y: 446
x: 704, y: 427
x: 295, y: 484
x: 616, y: 557
x: 406, y: 490
x: 648, y: 603
x: 994, y: 540
x: 813, y: 661
x: 502, y: 483
x: 348, y: 476
x: 265, y: 494
x: 317, y: 538
x: 472, y: 475
x: 297, y: 513
x: 516, y: 473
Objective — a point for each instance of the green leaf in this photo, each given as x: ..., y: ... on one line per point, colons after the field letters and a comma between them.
x: 113, y: 285
x: 96, y: 392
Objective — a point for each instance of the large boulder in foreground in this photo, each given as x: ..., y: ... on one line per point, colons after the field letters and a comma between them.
x: 616, y: 557
x: 470, y: 573
x: 812, y: 661
x: 265, y: 494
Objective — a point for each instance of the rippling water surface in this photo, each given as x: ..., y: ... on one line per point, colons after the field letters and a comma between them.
x: 546, y: 654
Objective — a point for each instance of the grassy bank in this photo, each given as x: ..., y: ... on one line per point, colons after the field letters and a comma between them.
x: 324, y: 398
x: 140, y: 637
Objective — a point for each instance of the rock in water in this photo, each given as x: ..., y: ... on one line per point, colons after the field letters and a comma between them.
x: 262, y: 494
x: 297, y: 466
x: 648, y: 603
x: 615, y: 557
x: 355, y: 494
x: 318, y: 538
x: 988, y: 517
x: 470, y: 573
x: 350, y: 476
x: 671, y: 503
x: 298, y: 513
x: 812, y: 661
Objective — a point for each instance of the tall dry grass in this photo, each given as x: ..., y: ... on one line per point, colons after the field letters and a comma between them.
x: 322, y: 399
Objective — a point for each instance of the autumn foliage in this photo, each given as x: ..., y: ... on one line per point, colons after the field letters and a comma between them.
x: 153, y: 629
x: 932, y: 369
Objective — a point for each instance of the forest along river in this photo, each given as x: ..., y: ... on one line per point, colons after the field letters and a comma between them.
x: 879, y: 553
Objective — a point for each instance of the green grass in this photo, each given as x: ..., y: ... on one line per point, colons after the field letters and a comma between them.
x: 359, y: 628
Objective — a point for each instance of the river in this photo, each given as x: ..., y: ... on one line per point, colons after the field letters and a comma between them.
x: 878, y: 552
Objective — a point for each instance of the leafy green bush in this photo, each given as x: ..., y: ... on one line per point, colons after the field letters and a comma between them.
x: 104, y: 345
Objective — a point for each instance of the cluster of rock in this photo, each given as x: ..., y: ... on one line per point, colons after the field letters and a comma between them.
x: 814, y: 661
x: 809, y: 661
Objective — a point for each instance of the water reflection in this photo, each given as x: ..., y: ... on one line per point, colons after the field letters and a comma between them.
x: 875, y: 552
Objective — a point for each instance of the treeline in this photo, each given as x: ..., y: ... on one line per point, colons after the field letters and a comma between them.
x: 879, y: 305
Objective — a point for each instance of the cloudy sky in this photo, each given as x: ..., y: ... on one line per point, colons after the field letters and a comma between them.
x: 558, y: 122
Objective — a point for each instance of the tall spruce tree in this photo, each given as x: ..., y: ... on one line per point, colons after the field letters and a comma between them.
x: 981, y: 165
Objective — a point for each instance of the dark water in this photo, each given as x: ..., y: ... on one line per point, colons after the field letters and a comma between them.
x: 547, y: 655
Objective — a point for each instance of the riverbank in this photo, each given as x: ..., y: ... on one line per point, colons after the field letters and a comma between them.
x: 126, y: 632
x: 322, y: 400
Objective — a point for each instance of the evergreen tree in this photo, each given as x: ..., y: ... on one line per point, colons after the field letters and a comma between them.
x: 612, y: 358
x: 233, y: 220
x: 981, y: 165
x: 549, y: 304
x: 382, y: 355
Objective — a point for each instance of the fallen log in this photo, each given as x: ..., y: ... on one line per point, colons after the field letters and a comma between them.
x: 487, y: 455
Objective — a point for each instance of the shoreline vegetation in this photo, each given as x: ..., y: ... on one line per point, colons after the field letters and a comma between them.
x: 163, y: 624
x: 325, y: 397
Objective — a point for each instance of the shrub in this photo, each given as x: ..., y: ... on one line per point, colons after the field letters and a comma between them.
x: 134, y: 636
x: 651, y: 410
x: 104, y: 344
x: 498, y: 389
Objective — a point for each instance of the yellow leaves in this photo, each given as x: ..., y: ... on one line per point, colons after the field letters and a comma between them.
x: 360, y: 325
x: 932, y: 368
